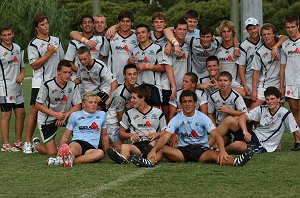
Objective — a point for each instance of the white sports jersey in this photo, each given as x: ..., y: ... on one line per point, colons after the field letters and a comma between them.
x: 269, y: 67
x: 153, y: 55
x: 92, y: 79
x: 143, y: 124
x: 158, y: 41
x: 234, y: 84
x: 87, y: 127
x: 234, y: 101
x: 201, y: 99
x: 271, y: 127
x: 36, y: 49
x: 227, y: 60
x: 290, y: 55
x: 121, y: 96
x: 179, y: 66
x: 195, y: 34
x: 120, y: 49
x: 191, y: 130
x: 199, y: 54
x: 247, y: 50
x: 57, y: 99
x: 11, y: 63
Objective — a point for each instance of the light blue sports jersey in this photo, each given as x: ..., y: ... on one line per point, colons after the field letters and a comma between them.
x: 87, y: 127
x: 191, y: 130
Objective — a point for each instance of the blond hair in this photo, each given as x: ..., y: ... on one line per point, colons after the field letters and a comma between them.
x: 226, y: 24
x: 86, y: 95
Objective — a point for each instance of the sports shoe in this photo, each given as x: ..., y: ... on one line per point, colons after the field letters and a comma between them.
x: 9, y: 148
x: 296, y: 147
x: 115, y: 156
x: 19, y: 145
x: 244, y: 158
x: 147, y: 150
x: 65, y: 153
x: 35, y: 141
x: 27, y: 148
x: 55, y: 161
x: 141, y: 162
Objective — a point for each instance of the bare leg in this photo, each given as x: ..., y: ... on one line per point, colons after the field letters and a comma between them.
x: 47, y: 149
x: 117, y: 145
x: 211, y: 156
x: 173, y: 154
x: 256, y: 103
x: 294, y: 106
x: 31, y: 123
x: 166, y: 112
x: 128, y: 149
x: 19, y: 123
x: 237, y: 147
x: 5, y: 120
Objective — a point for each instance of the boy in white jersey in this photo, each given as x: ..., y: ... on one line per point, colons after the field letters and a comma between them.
x: 159, y: 22
x: 144, y: 123
x: 119, y: 103
x: 265, y: 67
x: 273, y: 120
x: 192, y: 128
x: 192, y: 19
x: 290, y: 65
x: 93, y: 74
x: 56, y: 100
x: 148, y: 58
x: 11, y: 95
x: 44, y: 54
x: 87, y: 128
x: 245, y: 61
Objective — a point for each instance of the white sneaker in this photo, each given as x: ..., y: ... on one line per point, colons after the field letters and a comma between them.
x: 9, y: 148
x: 55, y: 161
x: 35, y: 141
x: 27, y: 148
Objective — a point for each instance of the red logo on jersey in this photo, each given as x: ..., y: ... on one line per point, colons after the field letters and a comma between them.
x: 93, y: 49
x: 94, y: 126
x: 16, y: 59
x: 126, y: 48
x: 297, y: 51
x: 206, y: 53
x: 146, y: 60
x: 230, y: 58
x: 183, y: 56
x: 276, y: 58
x: 91, y: 79
x: 195, y: 134
x: 64, y: 98
x: 148, y: 124
x: 288, y: 92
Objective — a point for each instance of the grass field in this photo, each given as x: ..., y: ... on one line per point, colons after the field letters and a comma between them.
x: 266, y: 175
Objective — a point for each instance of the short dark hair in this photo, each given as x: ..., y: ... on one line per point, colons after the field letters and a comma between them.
x: 272, y: 91
x: 187, y: 93
x: 226, y: 74
x: 141, y: 25
x: 63, y: 63
x: 291, y: 19
x: 86, y: 16
x: 82, y: 50
x: 180, y: 21
x: 205, y: 29
x: 143, y: 91
x: 38, y: 18
x: 6, y: 27
x: 129, y: 66
x: 192, y: 14
x: 126, y: 14
x: 212, y: 58
x: 269, y: 26
x: 193, y: 76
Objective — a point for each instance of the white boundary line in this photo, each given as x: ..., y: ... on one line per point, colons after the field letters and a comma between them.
x: 121, y: 180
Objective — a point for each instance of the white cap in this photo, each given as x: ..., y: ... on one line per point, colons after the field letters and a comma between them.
x: 251, y: 21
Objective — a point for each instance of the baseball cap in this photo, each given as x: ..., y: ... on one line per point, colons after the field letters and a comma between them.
x: 251, y: 21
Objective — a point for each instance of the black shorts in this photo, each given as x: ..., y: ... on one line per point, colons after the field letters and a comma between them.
x: 193, y: 152
x: 155, y: 99
x: 34, y: 93
x: 48, y: 132
x: 104, y: 96
x: 141, y: 145
x: 166, y: 97
x: 254, y: 143
x: 85, y: 146
x: 6, y: 107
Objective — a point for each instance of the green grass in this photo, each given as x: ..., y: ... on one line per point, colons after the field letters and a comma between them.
x: 266, y: 175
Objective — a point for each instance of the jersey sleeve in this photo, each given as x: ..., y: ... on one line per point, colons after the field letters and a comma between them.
x: 256, y: 64
x: 119, y: 103
x: 283, y: 57
x: 106, y: 75
x: 42, y: 95
x: 105, y: 47
x: 162, y: 122
x: 33, y: 53
x: 291, y: 123
x: 243, y: 57
x: 61, y: 52
x: 71, y: 122
x: 174, y: 102
x: 211, y: 106
x: 173, y: 124
x: 208, y: 124
x: 167, y: 60
x: 240, y: 104
x: 254, y: 114
x: 125, y: 121
x: 71, y: 52
x: 76, y: 97
x: 204, y: 98
x: 104, y: 123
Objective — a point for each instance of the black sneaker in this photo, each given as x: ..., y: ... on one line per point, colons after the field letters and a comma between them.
x: 115, y: 156
x: 141, y: 162
x: 296, y: 147
x: 244, y: 158
x: 147, y: 150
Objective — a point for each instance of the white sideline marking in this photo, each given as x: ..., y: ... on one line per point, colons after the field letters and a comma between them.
x: 118, y: 182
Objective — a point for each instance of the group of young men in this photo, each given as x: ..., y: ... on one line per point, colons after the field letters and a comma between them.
x: 141, y: 95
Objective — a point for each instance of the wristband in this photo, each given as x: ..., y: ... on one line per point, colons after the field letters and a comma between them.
x: 84, y: 40
x: 236, y: 48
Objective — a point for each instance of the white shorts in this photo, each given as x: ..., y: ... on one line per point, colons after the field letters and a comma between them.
x: 292, y: 91
x: 113, y: 132
x: 12, y: 99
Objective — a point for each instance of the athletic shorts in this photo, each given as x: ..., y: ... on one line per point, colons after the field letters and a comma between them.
x: 48, y: 132
x: 103, y: 97
x: 9, y: 103
x: 166, y: 97
x: 85, y: 146
x: 155, y: 99
x: 34, y: 93
x: 193, y: 152
x: 141, y: 145
x: 237, y: 136
x: 292, y: 91
x: 113, y: 132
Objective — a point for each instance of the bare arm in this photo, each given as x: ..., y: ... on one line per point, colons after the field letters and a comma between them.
x: 281, y: 77
x: 243, y: 124
x: 172, y: 111
x: 204, y: 108
x: 20, y: 77
x: 104, y: 139
x: 78, y: 37
x: 255, y: 76
x: 241, y: 70
x: 171, y: 78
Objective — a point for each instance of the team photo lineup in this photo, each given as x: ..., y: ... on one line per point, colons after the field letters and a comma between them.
x: 182, y: 93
